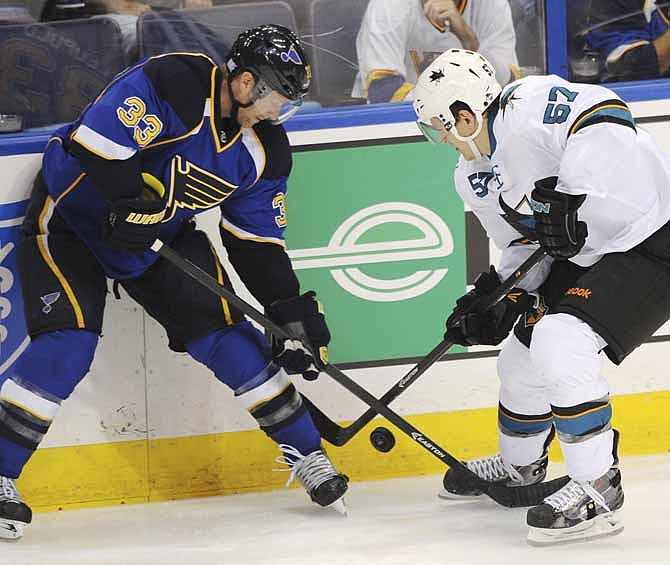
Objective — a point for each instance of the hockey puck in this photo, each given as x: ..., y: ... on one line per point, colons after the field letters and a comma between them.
x: 382, y: 439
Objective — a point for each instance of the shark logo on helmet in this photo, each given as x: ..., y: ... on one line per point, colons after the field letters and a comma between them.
x: 437, y: 76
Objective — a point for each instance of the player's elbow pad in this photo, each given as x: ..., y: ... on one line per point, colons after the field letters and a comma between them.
x: 633, y: 63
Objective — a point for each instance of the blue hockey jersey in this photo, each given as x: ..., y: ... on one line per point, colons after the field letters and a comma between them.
x: 158, y: 126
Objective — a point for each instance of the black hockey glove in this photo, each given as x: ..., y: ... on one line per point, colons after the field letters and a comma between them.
x: 302, y: 317
x: 556, y: 225
x: 133, y: 224
x: 490, y: 327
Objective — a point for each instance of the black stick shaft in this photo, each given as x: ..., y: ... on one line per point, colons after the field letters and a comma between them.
x: 340, y: 435
x: 210, y: 283
x: 502, y: 495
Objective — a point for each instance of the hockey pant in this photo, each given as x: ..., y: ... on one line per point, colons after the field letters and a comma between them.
x: 558, y: 381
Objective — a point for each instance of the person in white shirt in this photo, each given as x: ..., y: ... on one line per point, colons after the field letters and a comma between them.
x: 564, y: 166
x: 399, y: 38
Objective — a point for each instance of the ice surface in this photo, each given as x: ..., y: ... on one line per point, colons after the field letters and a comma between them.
x: 393, y: 522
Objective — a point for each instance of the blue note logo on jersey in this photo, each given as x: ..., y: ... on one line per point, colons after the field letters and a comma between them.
x: 49, y: 300
x: 13, y: 334
x: 291, y: 56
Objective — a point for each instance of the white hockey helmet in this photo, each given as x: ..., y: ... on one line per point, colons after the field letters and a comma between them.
x: 458, y: 75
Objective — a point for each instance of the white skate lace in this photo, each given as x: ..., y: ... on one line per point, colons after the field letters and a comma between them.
x: 311, y: 470
x: 493, y: 469
x: 8, y: 489
x: 573, y: 492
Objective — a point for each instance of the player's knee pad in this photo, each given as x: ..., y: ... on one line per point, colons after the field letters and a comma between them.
x: 566, y: 353
x: 44, y: 376
x: 235, y: 354
x: 524, y: 405
x: 515, y: 369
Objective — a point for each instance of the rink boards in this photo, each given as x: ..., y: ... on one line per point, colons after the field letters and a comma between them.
x: 389, y: 249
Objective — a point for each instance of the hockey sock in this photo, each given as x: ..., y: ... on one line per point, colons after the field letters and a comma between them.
x: 45, y: 375
x: 522, y: 438
x: 240, y: 357
x: 586, y: 437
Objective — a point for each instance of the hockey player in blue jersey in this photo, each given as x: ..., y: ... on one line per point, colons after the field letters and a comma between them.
x: 171, y: 137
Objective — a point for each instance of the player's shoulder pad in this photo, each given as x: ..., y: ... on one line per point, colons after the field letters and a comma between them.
x: 275, y: 142
x: 184, y: 81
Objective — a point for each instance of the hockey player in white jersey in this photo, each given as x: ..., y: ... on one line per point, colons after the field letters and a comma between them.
x: 545, y: 161
x: 399, y: 36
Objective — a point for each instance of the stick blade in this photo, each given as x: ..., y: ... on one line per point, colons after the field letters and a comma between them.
x: 329, y: 430
x: 530, y: 495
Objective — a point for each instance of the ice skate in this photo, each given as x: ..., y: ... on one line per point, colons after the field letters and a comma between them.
x: 324, y: 484
x: 493, y: 468
x: 457, y: 486
x: 14, y: 513
x: 581, y: 510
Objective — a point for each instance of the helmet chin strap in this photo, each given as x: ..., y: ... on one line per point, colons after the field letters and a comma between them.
x: 470, y: 139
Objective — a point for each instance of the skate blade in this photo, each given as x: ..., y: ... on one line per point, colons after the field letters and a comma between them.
x: 339, y: 506
x: 10, y: 530
x: 604, y: 525
x: 444, y: 494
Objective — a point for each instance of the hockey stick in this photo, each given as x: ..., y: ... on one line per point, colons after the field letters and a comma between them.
x: 338, y: 435
x: 505, y: 496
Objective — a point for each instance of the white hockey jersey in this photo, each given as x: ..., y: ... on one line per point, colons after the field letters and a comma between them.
x: 585, y: 135
x: 394, y: 30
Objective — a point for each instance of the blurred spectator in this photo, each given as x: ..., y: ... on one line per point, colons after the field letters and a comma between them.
x: 617, y: 40
x: 399, y: 38
x: 529, y: 25
x: 14, y: 12
x: 58, y: 10
x: 126, y: 13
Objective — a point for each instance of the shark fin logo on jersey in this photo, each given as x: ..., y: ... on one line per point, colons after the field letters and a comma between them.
x: 49, y: 300
x: 508, y: 98
x: 523, y: 223
x: 291, y: 56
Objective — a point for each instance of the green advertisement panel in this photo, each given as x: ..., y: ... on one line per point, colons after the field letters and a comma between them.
x: 379, y: 232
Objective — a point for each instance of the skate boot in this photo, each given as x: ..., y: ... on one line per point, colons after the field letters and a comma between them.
x: 458, y: 486
x: 14, y: 513
x: 324, y: 484
x: 579, y: 511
